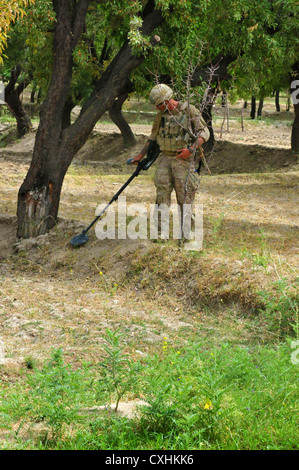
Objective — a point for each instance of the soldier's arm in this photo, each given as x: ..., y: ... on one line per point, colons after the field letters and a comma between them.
x: 200, y: 126
x: 153, y: 136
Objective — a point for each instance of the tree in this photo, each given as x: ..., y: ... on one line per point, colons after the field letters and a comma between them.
x: 39, y: 195
x: 269, y: 58
x: 95, y: 48
x: 10, y: 12
x: 28, y: 45
x: 254, y: 43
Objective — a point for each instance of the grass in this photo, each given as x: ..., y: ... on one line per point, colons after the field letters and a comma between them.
x: 197, y: 397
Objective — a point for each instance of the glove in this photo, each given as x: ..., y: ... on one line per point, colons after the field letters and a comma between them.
x: 135, y: 160
x: 184, y: 154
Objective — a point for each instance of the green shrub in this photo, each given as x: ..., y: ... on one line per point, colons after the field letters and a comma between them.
x: 280, y: 307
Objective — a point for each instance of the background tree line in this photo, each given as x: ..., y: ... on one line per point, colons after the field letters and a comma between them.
x: 95, y: 53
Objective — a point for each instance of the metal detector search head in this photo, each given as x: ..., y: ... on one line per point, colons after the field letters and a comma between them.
x: 79, y: 240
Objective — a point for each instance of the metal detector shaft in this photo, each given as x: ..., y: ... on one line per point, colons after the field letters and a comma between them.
x: 115, y: 197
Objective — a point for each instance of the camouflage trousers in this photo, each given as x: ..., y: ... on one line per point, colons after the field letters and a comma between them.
x: 175, y: 174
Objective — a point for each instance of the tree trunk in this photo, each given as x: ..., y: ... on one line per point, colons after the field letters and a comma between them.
x: 55, y: 146
x: 260, y: 108
x: 223, y: 100
x: 39, y: 95
x: 39, y: 195
x: 16, y: 107
x: 288, y: 104
x: 115, y: 113
x: 39, y: 201
x: 277, y: 101
x: 12, y: 98
x: 117, y: 117
x: 217, y: 70
x: 295, y: 130
x: 66, y: 114
x: 32, y: 94
x: 253, y: 107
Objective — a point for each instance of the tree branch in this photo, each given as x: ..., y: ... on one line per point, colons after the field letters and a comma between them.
x: 79, y: 19
x: 14, y: 75
x: 219, y: 64
x: 109, y: 86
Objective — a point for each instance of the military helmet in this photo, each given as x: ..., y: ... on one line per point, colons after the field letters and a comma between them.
x: 160, y: 93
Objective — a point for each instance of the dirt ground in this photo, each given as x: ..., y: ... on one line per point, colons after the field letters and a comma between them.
x: 55, y: 296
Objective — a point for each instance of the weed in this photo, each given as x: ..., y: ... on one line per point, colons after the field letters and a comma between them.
x: 261, y: 257
x: 119, y: 374
x: 54, y: 394
x: 106, y: 283
x: 30, y: 362
x: 280, y: 307
x: 217, y: 224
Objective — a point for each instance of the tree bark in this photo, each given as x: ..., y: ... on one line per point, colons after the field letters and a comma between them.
x: 260, y: 107
x: 32, y: 94
x: 12, y: 98
x: 66, y: 114
x: 115, y: 113
x: 277, y: 105
x: 39, y: 95
x: 55, y: 146
x: 253, y: 107
x: 223, y: 99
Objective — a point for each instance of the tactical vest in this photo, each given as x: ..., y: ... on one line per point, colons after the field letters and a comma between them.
x: 173, y: 135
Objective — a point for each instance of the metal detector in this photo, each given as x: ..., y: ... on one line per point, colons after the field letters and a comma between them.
x: 152, y: 155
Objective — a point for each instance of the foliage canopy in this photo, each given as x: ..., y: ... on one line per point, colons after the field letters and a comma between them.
x: 261, y: 35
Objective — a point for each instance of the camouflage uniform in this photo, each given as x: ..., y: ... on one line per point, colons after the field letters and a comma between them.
x: 170, y: 131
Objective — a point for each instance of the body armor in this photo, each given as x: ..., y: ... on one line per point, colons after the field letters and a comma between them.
x: 173, y: 134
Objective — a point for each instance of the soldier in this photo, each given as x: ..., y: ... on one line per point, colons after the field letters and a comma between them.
x: 179, y: 130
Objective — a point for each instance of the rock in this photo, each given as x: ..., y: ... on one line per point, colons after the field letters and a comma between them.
x: 127, y: 409
x: 25, y: 245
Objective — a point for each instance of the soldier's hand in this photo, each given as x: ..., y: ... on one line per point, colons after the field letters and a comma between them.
x: 183, y: 153
x: 135, y: 160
